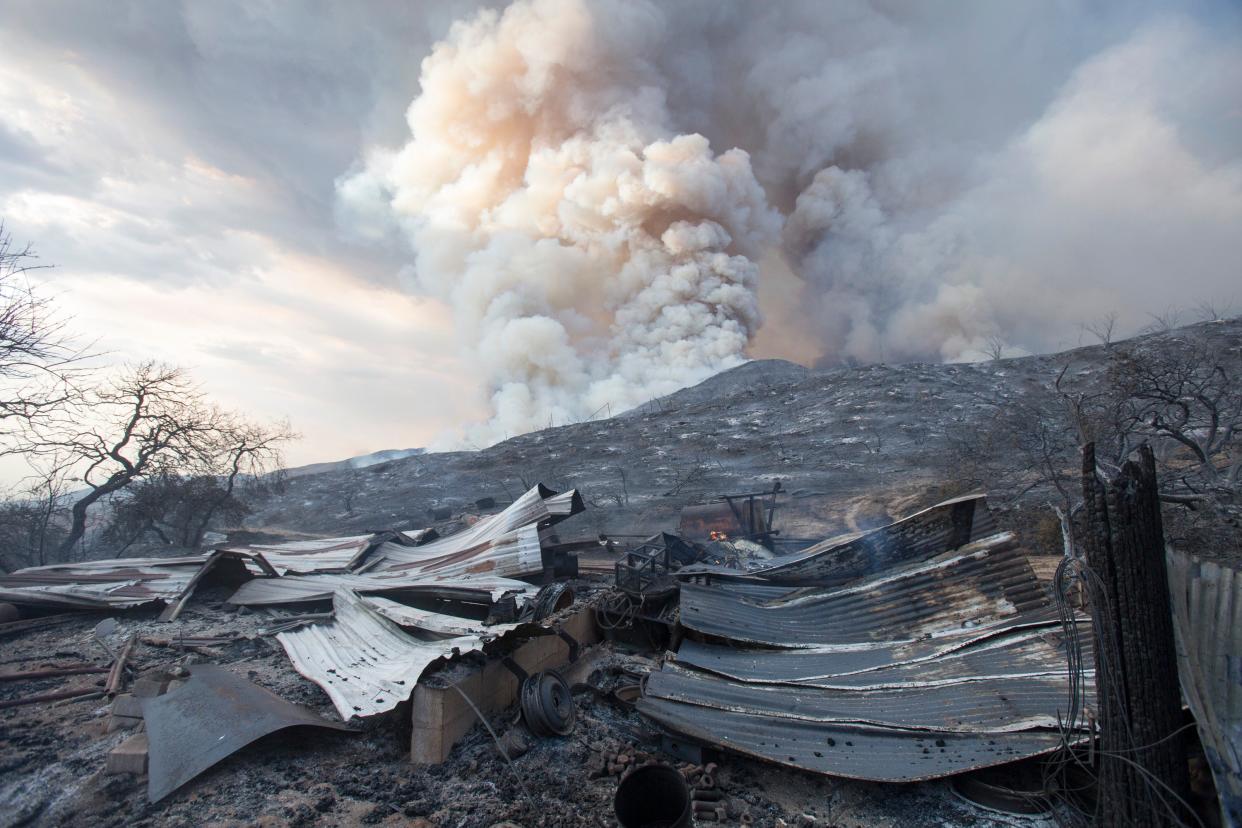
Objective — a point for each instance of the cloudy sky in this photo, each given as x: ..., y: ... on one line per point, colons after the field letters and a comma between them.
x: 562, y: 220
x: 176, y: 163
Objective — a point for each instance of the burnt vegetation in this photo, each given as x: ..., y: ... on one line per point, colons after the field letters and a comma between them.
x: 119, y: 457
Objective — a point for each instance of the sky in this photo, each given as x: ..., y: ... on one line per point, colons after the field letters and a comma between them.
x: 175, y: 163
x: 400, y: 224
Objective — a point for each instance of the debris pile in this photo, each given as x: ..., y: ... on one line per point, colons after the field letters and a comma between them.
x: 921, y: 649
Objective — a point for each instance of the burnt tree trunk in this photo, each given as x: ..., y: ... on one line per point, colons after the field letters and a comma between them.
x: 1143, y: 776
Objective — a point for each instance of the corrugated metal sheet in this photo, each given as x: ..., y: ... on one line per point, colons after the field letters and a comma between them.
x: 936, y: 665
x: 433, y: 622
x: 867, y: 752
x: 505, y: 544
x: 118, y: 583
x: 319, y: 555
x: 363, y: 661
x: 973, y: 703
x: 1024, y: 646
x: 293, y: 589
x: 918, y: 537
x: 979, y: 585
x: 1207, y: 617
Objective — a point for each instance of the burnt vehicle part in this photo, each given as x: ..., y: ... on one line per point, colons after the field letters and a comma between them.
x: 547, y: 704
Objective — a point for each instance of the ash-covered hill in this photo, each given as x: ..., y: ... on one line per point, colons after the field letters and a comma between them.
x: 851, y: 447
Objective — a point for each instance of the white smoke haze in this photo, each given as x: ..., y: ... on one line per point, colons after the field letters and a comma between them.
x: 592, y: 186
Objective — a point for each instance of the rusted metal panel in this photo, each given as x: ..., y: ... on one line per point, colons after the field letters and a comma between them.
x: 918, y: 537
x: 978, y: 585
x: 213, y: 715
x: 1207, y: 618
x: 868, y: 752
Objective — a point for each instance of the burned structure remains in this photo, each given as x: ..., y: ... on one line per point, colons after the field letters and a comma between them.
x: 926, y: 648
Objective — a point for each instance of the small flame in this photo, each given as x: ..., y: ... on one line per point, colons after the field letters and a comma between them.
x: 718, y: 536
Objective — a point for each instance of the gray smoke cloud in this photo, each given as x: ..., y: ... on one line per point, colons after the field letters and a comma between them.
x: 598, y: 189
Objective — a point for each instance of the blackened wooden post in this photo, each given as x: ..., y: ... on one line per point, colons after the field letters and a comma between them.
x: 1143, y: 761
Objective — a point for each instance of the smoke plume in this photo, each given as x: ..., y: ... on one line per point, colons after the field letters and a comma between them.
x: 592, y: 187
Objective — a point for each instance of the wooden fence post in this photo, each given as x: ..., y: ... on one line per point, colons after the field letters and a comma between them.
x: 1143, y: 776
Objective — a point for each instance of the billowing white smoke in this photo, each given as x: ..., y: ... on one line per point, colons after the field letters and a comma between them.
x: 593, y: 256
x: 939, y: 177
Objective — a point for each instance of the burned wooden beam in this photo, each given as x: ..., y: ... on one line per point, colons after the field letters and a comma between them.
x: 1143, y: 778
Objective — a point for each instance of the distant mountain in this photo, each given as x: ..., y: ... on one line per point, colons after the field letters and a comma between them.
x: 851, y: 447
x: 360, y: 462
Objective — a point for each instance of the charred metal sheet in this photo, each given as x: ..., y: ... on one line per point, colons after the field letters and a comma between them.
x: 979, y: 585
x: 213, y: 715
x: 504, y: 544
x: 1207, y: 617
x: 1028, y: 644
x: 883, y: 754
x: 363, y: 661
x: 974, y: 704
x: 294, y: 589
x: 919, y: 537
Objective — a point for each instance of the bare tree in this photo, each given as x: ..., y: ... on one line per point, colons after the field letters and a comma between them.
x: 994, y: 348
x: 149, y: 421
x: 37, y: 356
x: 1184, y: 397
x: 1103, y: 328
x: 32, y: 523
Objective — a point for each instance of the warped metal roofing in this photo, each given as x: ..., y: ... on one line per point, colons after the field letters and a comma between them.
x: 438, y: 623
x: 856, y: 751
x: 975, y: 586
x: 505, y: 544
x: 117, y: 583
x: 1023, y: 646
x: 364, y: 661
x: 1207, y: 617
x: 938, y: 664
x: 318, y: 555
x: 293, y: 589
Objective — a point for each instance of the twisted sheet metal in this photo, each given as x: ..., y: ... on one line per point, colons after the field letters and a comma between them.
x: 318, y: 555
x: 969, y: 704
x: 506, y: 544
x: 1026, y: 647
x: 918, y: 537
x: 118, y: 583
x: 1207, y: 619
x: 855, y: 751
x: 979, y: 585
x: 437, y: 623
x: 293, y: 589
x: 362, y: 660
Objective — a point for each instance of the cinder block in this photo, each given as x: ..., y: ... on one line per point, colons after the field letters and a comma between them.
x: 148, y: 687
x: 128, y: 757
x: 127, y: 705
x: 116, y: 722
